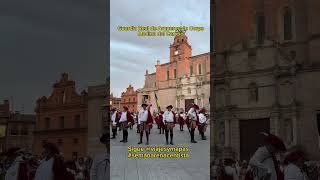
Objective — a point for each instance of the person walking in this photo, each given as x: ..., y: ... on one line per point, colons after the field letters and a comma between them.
x: 169, y: 119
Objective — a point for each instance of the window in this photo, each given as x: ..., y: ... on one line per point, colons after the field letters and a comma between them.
x: 191, y: 70
x: 24, y: 131
x: 287, y: 24
x: 253, y: 92
x: 129, y: 99
x: 77, y: 121
x: 200, y: 69
x: 61, y: 122
x: 175, y: 73
x: 189, y: 90
x: 14, y: 131
x: 168, y: 75
x: 260, y: 26
x: 75, y: 140
x: 47, y: 123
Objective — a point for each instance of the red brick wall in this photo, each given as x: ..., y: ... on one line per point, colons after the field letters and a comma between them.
x: 129, y: 99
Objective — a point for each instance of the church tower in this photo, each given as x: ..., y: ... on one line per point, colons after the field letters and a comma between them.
x: 180, y: 50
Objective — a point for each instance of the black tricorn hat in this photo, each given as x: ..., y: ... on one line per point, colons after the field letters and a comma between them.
x: 170, y: 106
x: 144, y: 104
x: 104, y: 138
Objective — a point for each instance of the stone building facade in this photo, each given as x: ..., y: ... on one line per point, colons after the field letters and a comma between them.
x: 115, y: 102
x: 97, y: 116
x: 184, y: 80
x: 20, y: 128
x: 129, y: 99
x: 266, y: 69
x: 62, y: 118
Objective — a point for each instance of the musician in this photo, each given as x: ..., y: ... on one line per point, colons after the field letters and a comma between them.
x: 115, y: 120
x: 169, y: 119
x: 264, y: 163
x: 193, y: 120
x: 295, y: 161
x: 145, y: 120
x: 202, y: 123
x: 126, y: 119
x: 52, y: 166
x: 160, y: 122
x: 181, y: 120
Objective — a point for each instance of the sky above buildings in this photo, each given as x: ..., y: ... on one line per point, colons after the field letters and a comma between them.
x: 42, y: 39
x: 131, y: 55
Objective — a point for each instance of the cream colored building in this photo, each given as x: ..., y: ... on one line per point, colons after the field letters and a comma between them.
x: 266, y: 75
x: 184, y: 80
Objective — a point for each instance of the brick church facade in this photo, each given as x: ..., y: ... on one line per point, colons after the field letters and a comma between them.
x: 129, y: 99
x: 184, y: 80
x: 62, y: 119
x: 266, y: 69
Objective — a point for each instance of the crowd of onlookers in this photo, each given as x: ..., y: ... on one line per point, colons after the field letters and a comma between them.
x: 311, y: 169
x: 78, y: 168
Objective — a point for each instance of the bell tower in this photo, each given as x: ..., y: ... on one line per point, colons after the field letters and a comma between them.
x: 180, y: 50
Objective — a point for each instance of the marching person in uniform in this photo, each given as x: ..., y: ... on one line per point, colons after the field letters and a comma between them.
x: 52, y: 166
x: 264, y: 163
x: 159, y: 121
x: 202, y: 123
x: 169, y: 120
x: 145, y: 120
x: 125, y: 121
x: 181, y: 120
x: 136, y: 121
x: 295, y: 161
x: 193, y: 120
x: 115, y: 120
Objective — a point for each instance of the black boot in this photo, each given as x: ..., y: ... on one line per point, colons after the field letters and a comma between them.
x: 167, y: 134
x: 171, y: 137
x: 123, y: 136
x: 141, y: 136
x: 147, y: 134
x: 202, y: 136
x: 113, y: 133
x: 192, y: 136
x: 126, y: 139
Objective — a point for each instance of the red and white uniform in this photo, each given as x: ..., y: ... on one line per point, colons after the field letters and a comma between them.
x: 262, y: 164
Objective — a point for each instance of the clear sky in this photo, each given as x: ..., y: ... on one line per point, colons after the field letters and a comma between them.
x: 42, y: 39
x: 131, y: 55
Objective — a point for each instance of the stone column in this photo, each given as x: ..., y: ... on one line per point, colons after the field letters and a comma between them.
x: 227, y: 132
x: 274, y: 123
